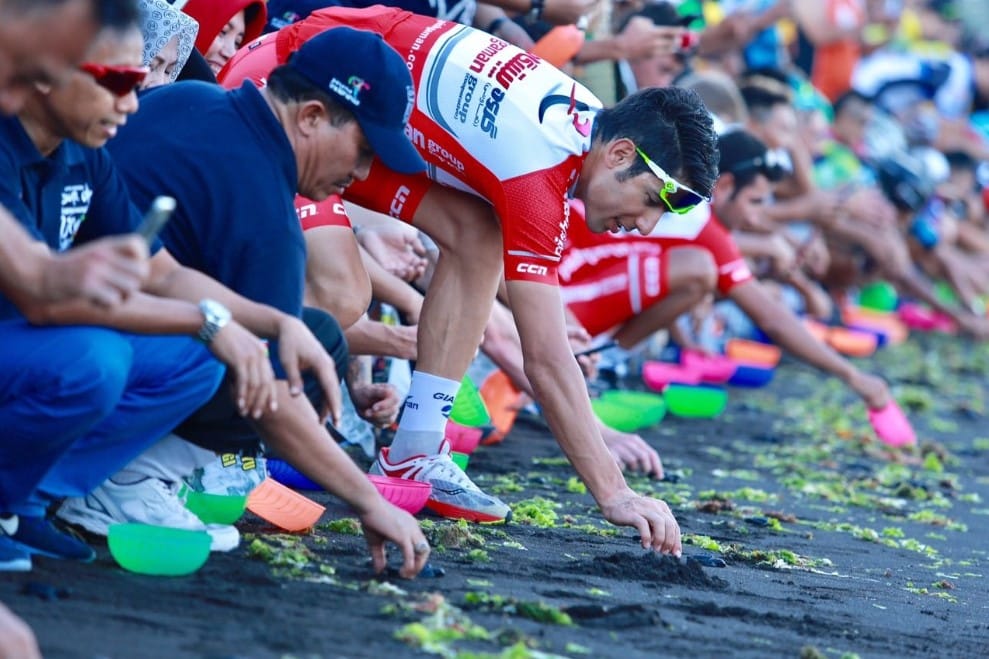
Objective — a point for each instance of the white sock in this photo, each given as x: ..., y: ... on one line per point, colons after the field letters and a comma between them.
x: 424, y: 416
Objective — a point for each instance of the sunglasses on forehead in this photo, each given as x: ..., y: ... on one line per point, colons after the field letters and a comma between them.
x: 118, y: 80
x: 774, y: 164
x: 678, y: 197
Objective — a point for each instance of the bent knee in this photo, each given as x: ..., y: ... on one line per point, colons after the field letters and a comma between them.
x: 94, y: 374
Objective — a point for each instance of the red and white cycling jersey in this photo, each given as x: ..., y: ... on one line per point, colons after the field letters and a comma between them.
x: 489, y: 119
x: 327, y: 213
x: 608, y: 278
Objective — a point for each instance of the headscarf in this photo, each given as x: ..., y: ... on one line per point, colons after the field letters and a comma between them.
x: 159, y: 23
x: 214, y: 14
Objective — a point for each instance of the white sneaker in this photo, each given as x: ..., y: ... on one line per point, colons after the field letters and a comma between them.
x: 149, y: 501
x: 229, y: 474
x: 454, y: 494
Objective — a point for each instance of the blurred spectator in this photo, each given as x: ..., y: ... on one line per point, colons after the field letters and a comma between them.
x: 169, y: 37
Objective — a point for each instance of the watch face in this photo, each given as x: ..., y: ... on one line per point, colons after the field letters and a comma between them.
x: 216, y: 312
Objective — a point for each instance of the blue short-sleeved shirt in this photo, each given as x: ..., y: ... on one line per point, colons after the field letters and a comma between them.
x: 228, y: 163
x: 73, y: 196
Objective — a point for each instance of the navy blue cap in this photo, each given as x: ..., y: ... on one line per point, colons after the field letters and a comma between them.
x: 368, y: 77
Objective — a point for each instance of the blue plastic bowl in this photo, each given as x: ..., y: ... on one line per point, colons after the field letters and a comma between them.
x: 289, y: 476
x: 881, y: 337
x: 751, y: 375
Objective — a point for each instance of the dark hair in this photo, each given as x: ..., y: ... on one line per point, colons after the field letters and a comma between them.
x: 760, y: 102
x: 849, y: 97
x: 289, y: 86
x: 737, y: 149
x: 960, y: 160
x: 660, y: 13
x: 672, y: 126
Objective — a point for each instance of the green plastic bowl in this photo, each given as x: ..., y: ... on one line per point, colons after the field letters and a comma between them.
x: 650, y: 407
x: 460, y: 459
x: 695, y: 402
x: 468, y: 407
x: 215, y: 508
x: 158, y: 550
x: 615, y: 415
x: 879, y: 295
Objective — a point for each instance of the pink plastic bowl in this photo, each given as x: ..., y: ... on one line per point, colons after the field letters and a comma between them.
x: 892, y: 426
x: 656, y: 375
x: 408, y: 495
x: 463, y: 439
x: 714, y: 369
x: 917, y: 317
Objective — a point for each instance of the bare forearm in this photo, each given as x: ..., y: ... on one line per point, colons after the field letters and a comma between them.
x: 190, y: 285
x: 22, y: 260
x: 561, y: 392
x: 370, y: 337
x: 753, y: 245
x: 140, y: 313
x: 596, y: 50
x: 789, y: 210
x: 786, y: 330
x: 387, y: 288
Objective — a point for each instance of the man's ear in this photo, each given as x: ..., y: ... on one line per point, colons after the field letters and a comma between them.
x: 724, y: 187
x: 309, y: 116
x: 620, y: 153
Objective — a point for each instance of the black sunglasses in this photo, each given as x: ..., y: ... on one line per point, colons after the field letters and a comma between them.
x: 774, y: 164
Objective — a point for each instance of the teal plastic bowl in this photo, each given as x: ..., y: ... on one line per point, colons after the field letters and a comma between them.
x: 215, y: 508
x: 158, y: 550
x: 695, y: 402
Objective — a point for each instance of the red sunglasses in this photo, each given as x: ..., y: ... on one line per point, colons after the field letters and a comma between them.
x: 118, y: 80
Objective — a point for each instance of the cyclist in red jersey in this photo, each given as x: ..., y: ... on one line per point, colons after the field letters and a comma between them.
x: 519, y: 137
x: 633, y: 285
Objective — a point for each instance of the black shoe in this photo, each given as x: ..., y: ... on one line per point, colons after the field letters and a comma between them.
x: 39, y: 536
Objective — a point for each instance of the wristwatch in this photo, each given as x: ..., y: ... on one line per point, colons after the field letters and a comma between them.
x: 215, y: 317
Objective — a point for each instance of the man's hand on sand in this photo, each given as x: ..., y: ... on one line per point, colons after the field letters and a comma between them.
x: 384, y: 522
x: 632, y: 453
x: 105, y: 271
x: 658, y: 529
x: 873, y: 390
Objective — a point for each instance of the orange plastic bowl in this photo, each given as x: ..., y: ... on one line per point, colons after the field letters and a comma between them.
x: 893, y: 330
x: 817, y: 329
x: 411, y: 496
x: 753, y: 352
x: 560, y: 45
x: 284, y: 507
x: 853, y: 343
